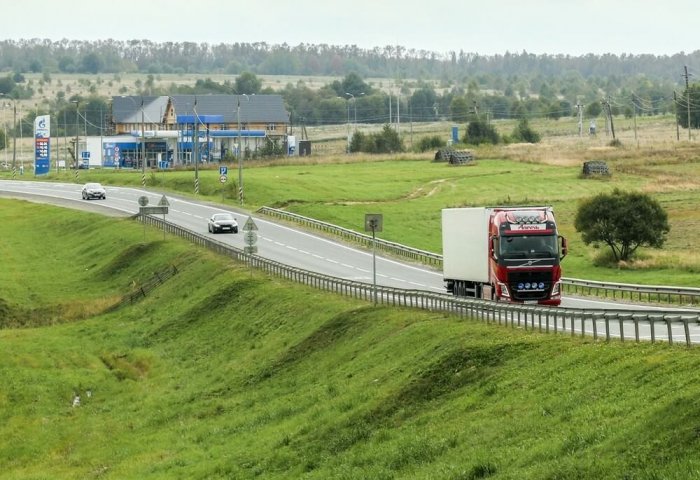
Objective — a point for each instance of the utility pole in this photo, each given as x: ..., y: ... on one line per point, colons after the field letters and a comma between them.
x: 678, y: 131
x: 606, y: 102
x: 579, y: 109
x: 687, y: 92
x: 634, y: 105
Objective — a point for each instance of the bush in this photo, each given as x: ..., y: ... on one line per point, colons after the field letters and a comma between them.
x: 478, y: 132
x: 386, y: 141
x: 430, y: 143
x: 523, y: 133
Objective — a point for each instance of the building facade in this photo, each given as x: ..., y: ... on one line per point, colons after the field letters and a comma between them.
x: 174, y: 130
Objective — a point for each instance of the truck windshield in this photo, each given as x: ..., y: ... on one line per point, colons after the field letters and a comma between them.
x: 528, y: 246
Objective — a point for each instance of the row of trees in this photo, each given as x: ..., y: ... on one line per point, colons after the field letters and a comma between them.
x: 353, y: 100
x: 390, y: 61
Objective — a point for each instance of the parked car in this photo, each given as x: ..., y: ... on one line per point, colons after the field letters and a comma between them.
x: 93, y: 190
x: 223, y: 222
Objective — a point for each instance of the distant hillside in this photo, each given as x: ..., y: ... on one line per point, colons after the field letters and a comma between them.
x: 111, y: 56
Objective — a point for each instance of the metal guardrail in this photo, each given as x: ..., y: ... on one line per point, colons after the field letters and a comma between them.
x: 158, y: 279
x: 616, y: 291
x: 608, y: 324
x: 628, y: 291
x: 410, y: 253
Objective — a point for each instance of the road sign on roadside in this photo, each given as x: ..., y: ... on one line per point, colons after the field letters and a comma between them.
x: 163, y: 202
x: 223, y: 178
x: 249, y: 225
x: 223, y: 171
x: 143, y: 200
x: 250, y: 237
x: 374, y: 222
x: 153, y: 210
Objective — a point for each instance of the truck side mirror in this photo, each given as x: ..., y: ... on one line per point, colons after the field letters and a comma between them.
x: 564, y: 247
x: 492, y: 248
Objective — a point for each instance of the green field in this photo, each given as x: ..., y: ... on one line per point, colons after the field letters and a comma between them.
x: 225, y: 373
x: 411, y: 189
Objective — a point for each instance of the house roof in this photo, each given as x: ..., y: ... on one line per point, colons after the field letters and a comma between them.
x: 253, y: 108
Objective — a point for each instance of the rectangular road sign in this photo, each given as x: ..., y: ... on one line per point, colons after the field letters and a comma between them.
x: 153, y: 210
x: 374, y: 222
x: 223, y: 170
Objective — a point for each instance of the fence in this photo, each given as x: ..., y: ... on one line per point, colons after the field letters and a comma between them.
x: 617, y: 291
x: 158, y: 279
x: 622, y: 324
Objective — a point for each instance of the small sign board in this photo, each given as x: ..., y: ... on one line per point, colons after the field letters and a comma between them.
x: 250, y: 249
x: 153, y: 210
x: 223, y: 170
x: 250, y: 225
x: 163, y: 202
x: 143, y: 200
x: 223, y: 178
x: 373, y: 222
x: 251, y: 237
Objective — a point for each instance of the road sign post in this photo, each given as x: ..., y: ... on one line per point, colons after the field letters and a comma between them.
x: 251, y: 237
x: 374, y: 223
x: 161, y: 208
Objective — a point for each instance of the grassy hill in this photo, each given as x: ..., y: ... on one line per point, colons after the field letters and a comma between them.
x: 223, y: 372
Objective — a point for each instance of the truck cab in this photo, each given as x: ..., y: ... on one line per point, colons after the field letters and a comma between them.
x: 525, y: 254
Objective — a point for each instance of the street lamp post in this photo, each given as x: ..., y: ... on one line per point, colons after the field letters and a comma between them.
x: 143, y: 147
x: 14, y: 139
x: 4, y: 126
x: 195, y: 146
x: 354, y: 125
x: 240, y: 149
x: 143, y: 140
x: 353, y: 97
x: 77, y: 131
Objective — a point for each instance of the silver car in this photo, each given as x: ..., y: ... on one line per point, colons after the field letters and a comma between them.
x: 223, y: 222
x: 93, y: 190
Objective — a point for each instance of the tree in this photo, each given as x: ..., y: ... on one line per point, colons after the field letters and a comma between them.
x: 622, y: 220
x: 459, y: 109
x: 682, y: 107
x: 92, y: 63
x: 594, y: 109
x: 248, y: 83
x: 354, y: 84
x: 478, y: 132
x: 524, y: 133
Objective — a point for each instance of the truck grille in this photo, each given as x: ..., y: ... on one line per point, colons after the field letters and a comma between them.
x: 529, y: 285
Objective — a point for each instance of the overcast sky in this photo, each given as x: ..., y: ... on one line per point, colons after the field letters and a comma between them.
x: 486, y: 26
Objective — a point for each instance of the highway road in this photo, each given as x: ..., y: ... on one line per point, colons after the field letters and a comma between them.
x: 277, y: 242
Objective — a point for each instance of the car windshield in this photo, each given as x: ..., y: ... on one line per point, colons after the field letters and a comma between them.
x: 529, y: 246
x: 222, y: 216
x: 93, y: 185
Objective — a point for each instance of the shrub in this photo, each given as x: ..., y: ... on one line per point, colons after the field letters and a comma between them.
x: 478, y: 132
x: 430, y: 143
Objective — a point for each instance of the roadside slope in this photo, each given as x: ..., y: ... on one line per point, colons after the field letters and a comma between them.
x: 226, y: 373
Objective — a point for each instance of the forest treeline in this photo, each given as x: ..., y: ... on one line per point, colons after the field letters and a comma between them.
x: 423, y: 85
x: 144, y: 56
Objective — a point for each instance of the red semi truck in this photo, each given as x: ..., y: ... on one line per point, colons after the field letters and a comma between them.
x: 503, y: 253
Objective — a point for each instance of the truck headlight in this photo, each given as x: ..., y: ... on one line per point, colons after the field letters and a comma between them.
x: 556, y: 289
x: 504, y: 289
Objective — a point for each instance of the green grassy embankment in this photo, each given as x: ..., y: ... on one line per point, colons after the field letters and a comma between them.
x: 410, y: 192
x: 227, y: 373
